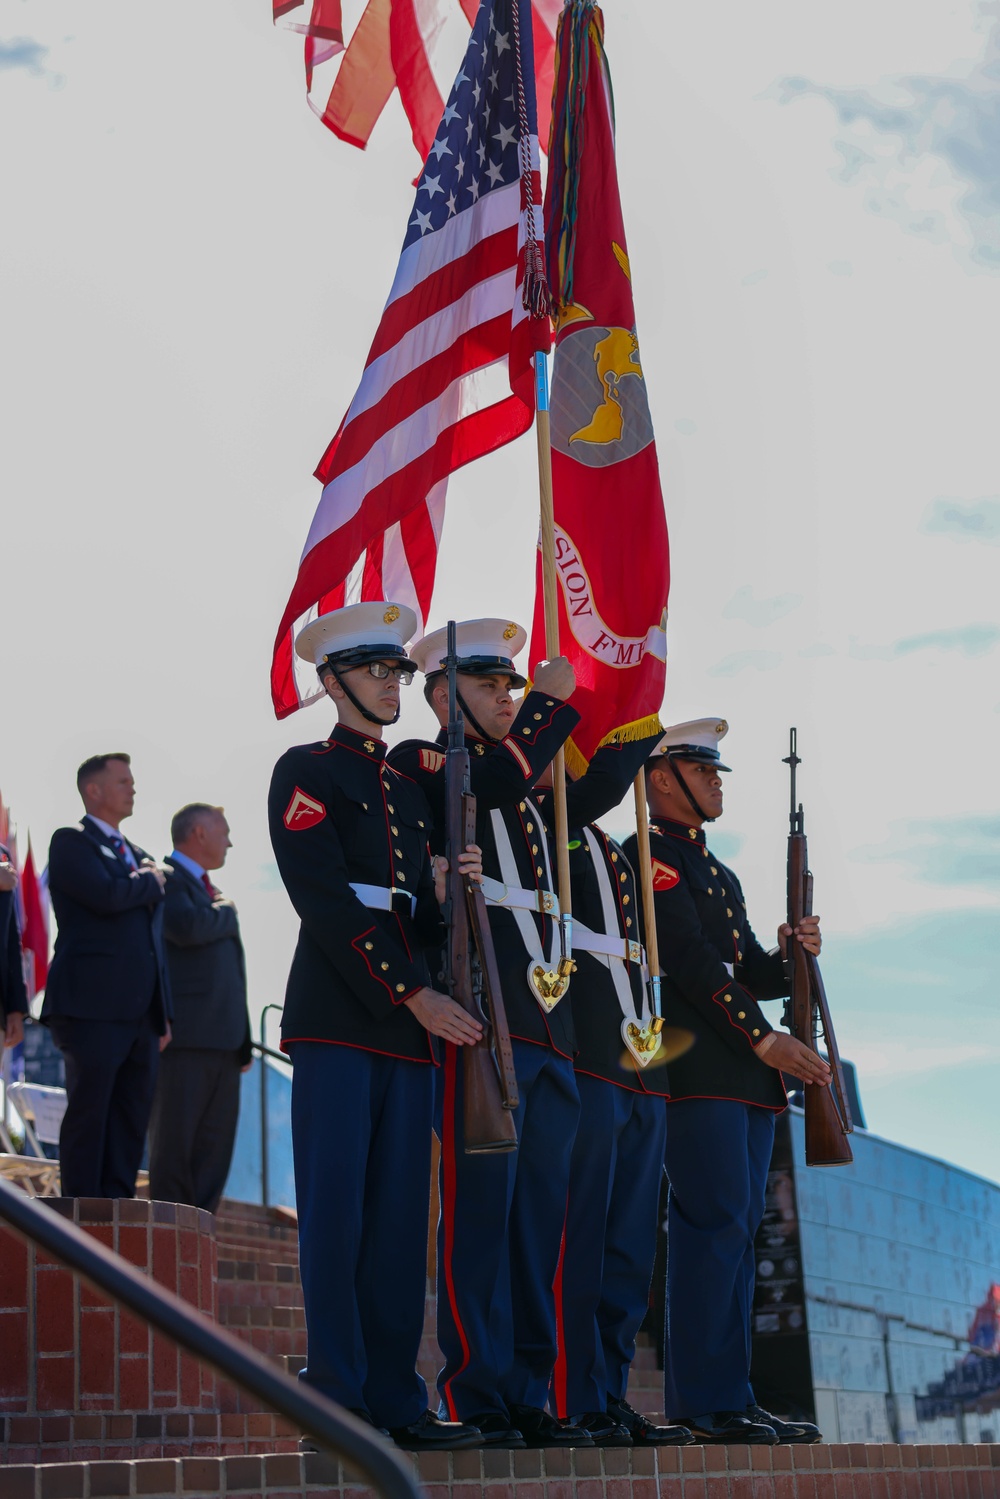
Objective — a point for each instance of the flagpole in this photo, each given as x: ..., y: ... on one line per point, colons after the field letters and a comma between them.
x: 550, y: 596
x: 648, y: 910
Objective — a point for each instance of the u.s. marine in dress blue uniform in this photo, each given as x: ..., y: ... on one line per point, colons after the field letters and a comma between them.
x: 350, y: 835
x: 723, y: 1096
x: 502, y: 1215
x: 609, y: 1243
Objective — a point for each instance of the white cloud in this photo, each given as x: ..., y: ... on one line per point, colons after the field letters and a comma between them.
x: 908, y: 135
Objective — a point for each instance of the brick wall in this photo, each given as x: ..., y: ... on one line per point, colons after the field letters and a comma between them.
x: 66, y: 1349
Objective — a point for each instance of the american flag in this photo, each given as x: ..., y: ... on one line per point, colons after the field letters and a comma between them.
x: 448, y: 377
x: 409, y: 45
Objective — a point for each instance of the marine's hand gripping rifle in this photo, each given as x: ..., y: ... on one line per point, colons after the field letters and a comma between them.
x: 828, y: 1113
x: 471, y: 977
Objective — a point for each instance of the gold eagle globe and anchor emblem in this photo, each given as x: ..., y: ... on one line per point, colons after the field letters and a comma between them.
x: 599, y: 411
x: 391, y: 615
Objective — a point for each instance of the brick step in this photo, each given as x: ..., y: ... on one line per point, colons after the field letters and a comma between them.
x: 854, y: 1472
x: 260, y: 1293
x: 240, y: 1317
x: 266, y: 1272
x: 86, y: 1437
x: 264, y: 1253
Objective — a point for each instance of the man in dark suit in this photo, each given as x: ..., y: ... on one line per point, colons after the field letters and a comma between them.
x: 193, y: 1128
x: 13, y: 996
x: 107, y: 999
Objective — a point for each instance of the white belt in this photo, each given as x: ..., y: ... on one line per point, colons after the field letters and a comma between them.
x: 584, y: 940
x: 380, y: 897
x: 545, y: 902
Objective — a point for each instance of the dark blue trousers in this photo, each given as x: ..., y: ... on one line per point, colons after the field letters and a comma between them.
x: 717, y: 1158
x: 361, y: 1141
x: 111, y: 1068
x: 498, y: 1240
x: 609, y: 1244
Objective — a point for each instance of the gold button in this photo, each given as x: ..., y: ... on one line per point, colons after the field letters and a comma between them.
x: 525, y: 731
x: 729, y: 912
x: 728, y: 998
x: 538, y: 871
x: 368, y: 947
x: 534, y: 848
x: 419, y: 823
x: 623, y: 877
x: 395, y: 832
x: 522, y: 806
x: 401, y: 876
x: 714, y: 870
x: 538, y: 718
x: 722, y: 889
x: 614, y: 858
x: 390, y: 806
x: 710, y: 890
x: 529, y: 827
x: 692, y: 832
x: 399, y: 853
x: 385, y: 967
x: 735, y: 932
x: 742, y: 1015
x: 386, y: 785
x: 365, y: 805
x: 756, y: 1030
x: 739, y: 957
x: 704, y: 853
x: 625, y: 900
x: 400, y: 988
x: 628, y: 921
x: 549, y: 703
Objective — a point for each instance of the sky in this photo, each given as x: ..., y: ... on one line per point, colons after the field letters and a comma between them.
x: 192, y: 272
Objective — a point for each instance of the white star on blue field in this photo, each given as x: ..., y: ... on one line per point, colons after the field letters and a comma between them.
x: 476, y: 147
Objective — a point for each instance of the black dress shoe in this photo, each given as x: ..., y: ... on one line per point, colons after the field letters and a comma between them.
x: 431, y: 1434
x: 604, y: 1430
x: 729, y: 1426
x: 497, y: 1431
x: 310, y: 1444
x: 643, y: 1431
x: 799, y: 1433
x: 539, y: 1429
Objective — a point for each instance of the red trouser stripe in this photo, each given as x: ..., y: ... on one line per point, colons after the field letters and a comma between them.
x: 448, y: 1189
x: 559, y: 1373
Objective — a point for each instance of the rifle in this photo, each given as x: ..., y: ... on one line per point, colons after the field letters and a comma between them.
x: 828, y: 1113
x: 471, y: 976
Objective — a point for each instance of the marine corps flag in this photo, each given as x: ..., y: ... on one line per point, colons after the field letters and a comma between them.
x: 611, y: 548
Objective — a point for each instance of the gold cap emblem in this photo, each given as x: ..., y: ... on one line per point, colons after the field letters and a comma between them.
x: 722, y: 727
x: 391, y: 615
x: 510, y: 631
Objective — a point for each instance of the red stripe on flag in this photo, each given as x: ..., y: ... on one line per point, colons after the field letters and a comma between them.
x: 418, y: 92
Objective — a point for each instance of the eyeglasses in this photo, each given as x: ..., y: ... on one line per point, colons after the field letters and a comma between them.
x: 381, y: 669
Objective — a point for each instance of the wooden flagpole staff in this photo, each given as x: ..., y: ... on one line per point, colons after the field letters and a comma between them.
x: 550, y: 595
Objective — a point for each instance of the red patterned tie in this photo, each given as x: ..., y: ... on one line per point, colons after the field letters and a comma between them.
x: 213, y: 894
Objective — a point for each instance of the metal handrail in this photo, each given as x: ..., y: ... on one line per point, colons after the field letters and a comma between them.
x: 107, y: 1272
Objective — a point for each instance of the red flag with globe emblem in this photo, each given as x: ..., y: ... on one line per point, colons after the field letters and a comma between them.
x: 612, y: 555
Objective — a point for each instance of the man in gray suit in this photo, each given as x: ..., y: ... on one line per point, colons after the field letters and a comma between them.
x: 195, y: 1111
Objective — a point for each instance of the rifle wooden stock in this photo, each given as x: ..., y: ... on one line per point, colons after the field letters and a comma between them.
x: 828, y: 1114
x: 490, y: 1090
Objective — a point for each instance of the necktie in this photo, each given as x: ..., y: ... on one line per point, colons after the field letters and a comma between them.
x: 118, y: 844
x: 213, y: 894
